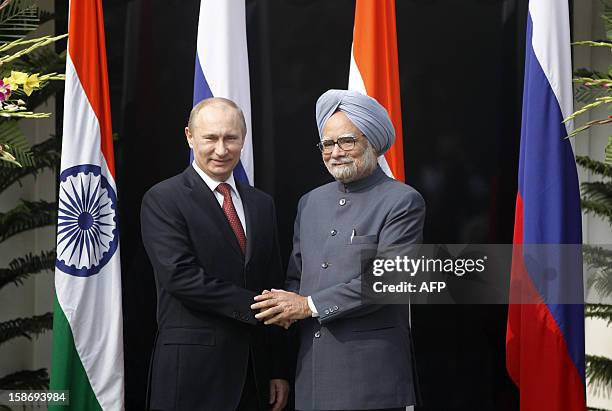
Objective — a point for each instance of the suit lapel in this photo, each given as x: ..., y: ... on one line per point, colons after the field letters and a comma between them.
x: 205, y: 199
x: 249, y: 218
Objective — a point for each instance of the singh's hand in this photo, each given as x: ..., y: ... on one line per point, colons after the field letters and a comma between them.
x: 281, y: 307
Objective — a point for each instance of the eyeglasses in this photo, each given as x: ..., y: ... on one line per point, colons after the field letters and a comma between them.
x: 346, y: 143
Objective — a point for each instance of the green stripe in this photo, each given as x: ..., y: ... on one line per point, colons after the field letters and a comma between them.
x: 67, y: 372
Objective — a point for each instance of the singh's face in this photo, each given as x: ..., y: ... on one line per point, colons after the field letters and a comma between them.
x: 351, y: 164
x: 216, y: 139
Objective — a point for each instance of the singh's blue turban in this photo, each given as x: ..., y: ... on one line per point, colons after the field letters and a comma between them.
x: 366, y: 114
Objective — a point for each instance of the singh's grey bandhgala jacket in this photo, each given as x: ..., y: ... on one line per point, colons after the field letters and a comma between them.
x: 353, y: 356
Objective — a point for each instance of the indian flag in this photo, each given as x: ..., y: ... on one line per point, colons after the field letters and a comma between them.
x: 374, y: 70
x: 87, y: 357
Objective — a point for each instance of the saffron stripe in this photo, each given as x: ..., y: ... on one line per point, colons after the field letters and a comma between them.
x: 375, y: 55
x: 87, y: 49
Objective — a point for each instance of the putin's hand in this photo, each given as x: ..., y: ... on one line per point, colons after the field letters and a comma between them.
x: 279, y: 394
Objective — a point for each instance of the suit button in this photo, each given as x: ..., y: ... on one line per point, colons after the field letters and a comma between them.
x: 342, y: 201
x: 324, y: 265
x: 335, y: 308
x: 317, y: 334
x: 333, y: 232
x: 326, y: 312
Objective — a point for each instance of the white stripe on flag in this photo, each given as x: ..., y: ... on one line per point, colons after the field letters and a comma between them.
x: 551, y: 45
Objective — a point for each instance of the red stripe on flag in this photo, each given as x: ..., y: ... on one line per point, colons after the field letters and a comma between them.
x: 87, y: 49
x: 513, y: 339
x: 375, y: 53
x: 537, y: 356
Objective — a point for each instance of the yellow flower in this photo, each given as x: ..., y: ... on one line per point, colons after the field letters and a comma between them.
x: 31, y: 83
x: 10, y: 83
x: 19, y: 78
x: 16, y: 78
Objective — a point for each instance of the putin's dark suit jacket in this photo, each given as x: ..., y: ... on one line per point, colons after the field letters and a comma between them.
x: 205, y: 286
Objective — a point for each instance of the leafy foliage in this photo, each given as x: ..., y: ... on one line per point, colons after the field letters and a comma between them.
x: 599, y: 373
x: 21, y: 268
x: 6, y: 156
x: 26, y: 380
x: 601, y: 280
x: 593, y: 43
x: 27, y: 216
x: 600, y: 311
x: 25, y: 327
x: 18, y: 18
x: 585, y: 93
x: 19, y: 148
x: 46, y: 60
x: 596, y: 256
x: 597, y: 195
x: 597, y: 167
x: 597, y: 102
x: 32, y: 45
x: 600, y: 193
x: 594, y: 90
x: 43, y: 156
x: 594, y: 207
x: 28, y: 77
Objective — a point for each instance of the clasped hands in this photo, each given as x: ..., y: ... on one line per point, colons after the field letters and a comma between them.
x: 281, y: 307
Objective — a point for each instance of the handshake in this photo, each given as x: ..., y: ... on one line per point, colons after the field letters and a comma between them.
x: 281, y: 307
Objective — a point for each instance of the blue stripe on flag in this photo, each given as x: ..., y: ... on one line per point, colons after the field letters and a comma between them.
x: 201, y: 89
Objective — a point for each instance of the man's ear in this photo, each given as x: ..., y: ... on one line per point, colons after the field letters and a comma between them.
x: 189, y: 137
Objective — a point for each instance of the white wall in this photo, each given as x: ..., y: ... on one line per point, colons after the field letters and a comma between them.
x: 589, y: 26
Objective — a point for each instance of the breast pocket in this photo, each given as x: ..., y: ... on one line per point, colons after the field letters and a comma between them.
x: 364, y: 239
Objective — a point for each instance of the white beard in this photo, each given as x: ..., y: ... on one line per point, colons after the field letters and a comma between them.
x: 355, y: 170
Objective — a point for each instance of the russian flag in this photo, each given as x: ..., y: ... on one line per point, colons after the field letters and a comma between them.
x: 374, y: 70
x: 222, y: 67
x: 545, y: 337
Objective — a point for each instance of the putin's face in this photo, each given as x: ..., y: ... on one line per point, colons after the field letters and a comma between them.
x: 217, y: 137
x: 350, y: 164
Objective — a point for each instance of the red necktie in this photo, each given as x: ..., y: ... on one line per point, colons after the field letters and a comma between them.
x: 231, y: 214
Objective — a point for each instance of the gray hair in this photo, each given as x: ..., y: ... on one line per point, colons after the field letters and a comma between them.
x: 213, y: 101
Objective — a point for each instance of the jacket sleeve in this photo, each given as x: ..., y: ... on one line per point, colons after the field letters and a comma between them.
x: 403, y: 225
x: 166, y: 240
